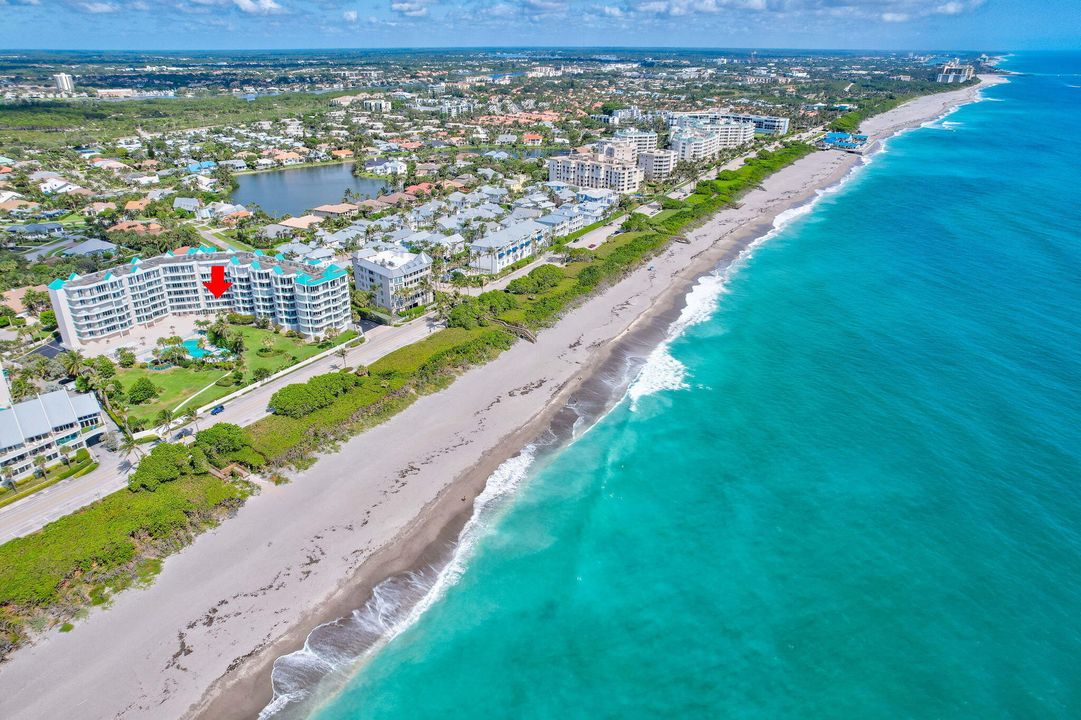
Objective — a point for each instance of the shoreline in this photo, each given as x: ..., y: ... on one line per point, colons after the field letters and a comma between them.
x: 413, y: 506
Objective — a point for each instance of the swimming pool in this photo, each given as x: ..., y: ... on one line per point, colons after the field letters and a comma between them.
x: 196, y: 352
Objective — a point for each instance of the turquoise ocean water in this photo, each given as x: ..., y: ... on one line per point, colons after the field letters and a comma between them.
x: 850, y: 489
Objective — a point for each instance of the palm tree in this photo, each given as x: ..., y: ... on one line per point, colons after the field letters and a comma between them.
x: 165, y: 418
x: 129, y: 447
x: 191, y: 415
x: 342, y: 351
x: 39, y: 465
x: 65, y: 454
x: 73, y: 362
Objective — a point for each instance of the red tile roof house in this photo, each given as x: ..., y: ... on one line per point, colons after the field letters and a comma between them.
x: 424, y: 188
x: 137, y: 227
x: 344, y: 153
x: 532, y: 139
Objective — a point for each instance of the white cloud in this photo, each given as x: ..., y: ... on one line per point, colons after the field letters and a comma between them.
x: 100, y: 7
x: 258, y: 7
x: 894, y: 17
x: 950, y: 8
x: 612, y: 11
x: 410, y: 8
x: 350, y: 16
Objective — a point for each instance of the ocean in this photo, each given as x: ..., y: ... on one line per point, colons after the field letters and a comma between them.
x: 847, y: 486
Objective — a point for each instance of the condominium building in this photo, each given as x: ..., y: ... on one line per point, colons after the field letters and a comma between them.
x: 705, y: 142
x: 657, y: 164
x: 616, y: 150
x: 376, y: 105
x: 64, y: 83
x: 591, y: 171
x: 765, y: 124
x: 308, y: 298
x: 398, y: 279
x: 643, y: 140
x: 42, y: 427
x: 498, y: 250
x: 953, y: 72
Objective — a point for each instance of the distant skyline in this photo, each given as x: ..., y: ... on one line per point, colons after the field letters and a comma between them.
x: 287, y: 24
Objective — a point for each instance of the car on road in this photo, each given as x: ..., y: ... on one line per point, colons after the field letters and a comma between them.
x: 217, y: 410
x: 183, y: 433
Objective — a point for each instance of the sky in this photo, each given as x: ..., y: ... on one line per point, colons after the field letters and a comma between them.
x: 288, y: 24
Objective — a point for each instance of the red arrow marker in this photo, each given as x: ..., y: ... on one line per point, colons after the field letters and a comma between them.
x: 218, y: 285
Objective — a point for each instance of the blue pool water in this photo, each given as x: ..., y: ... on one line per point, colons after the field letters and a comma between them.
x: 196, y: 352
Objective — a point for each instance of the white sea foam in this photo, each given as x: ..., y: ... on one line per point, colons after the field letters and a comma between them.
x: 662, y: 371
x: 333, y: 649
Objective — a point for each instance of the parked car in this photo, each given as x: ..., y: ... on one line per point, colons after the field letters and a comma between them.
x: 217, y: 410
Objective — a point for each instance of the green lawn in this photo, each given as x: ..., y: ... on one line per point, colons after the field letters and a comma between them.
x: 178, y: 383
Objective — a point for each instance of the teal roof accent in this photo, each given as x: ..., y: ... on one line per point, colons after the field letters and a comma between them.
x: 234, y: 260
x: 56, y: 284
x: 279, y: 256
x: 135, y: 260
x: 330, y: 273
x: 259, y: 252
x: 255, y: 264
x: 109, y: 275
x: 277, y: 269
x: 73, y: 276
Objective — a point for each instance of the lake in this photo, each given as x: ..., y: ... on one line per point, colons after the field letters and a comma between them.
x: 293, y: 191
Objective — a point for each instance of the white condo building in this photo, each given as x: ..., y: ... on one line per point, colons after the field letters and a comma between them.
x: 657, y: 164
x: 765, y: 124
x: 64, y: 83
x: 705, y: 142
x: 598, y: 172
x: 310, y: 299
x: 954, y: 72
x: 398, y: 279
x: 643, y: 140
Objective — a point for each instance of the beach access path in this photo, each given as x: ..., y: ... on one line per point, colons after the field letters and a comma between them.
x: 201, y: 640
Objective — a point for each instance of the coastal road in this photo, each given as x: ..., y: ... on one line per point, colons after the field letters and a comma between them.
x: 31, y: 513
x: 27, y: 515
x: 379, y: 341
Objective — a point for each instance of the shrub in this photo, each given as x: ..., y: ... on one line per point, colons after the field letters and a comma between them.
x: 165, y: 462
x: 141, y: 391
x: 300, y: 399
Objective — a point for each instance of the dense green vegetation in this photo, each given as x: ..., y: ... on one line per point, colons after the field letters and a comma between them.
x: 56, y: 123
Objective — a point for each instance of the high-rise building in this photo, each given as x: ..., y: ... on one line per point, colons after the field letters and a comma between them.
x: 64, y: 83
x: 657, y: 164
x: 765, y: 124
x: 595, y: 171
x: 694, y: 143
x: 953, y: 72
x: 398, y: 279
x: 309, y: 299
x: 643, y: 140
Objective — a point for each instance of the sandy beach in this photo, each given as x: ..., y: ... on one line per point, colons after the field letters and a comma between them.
x: 201, y: 641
